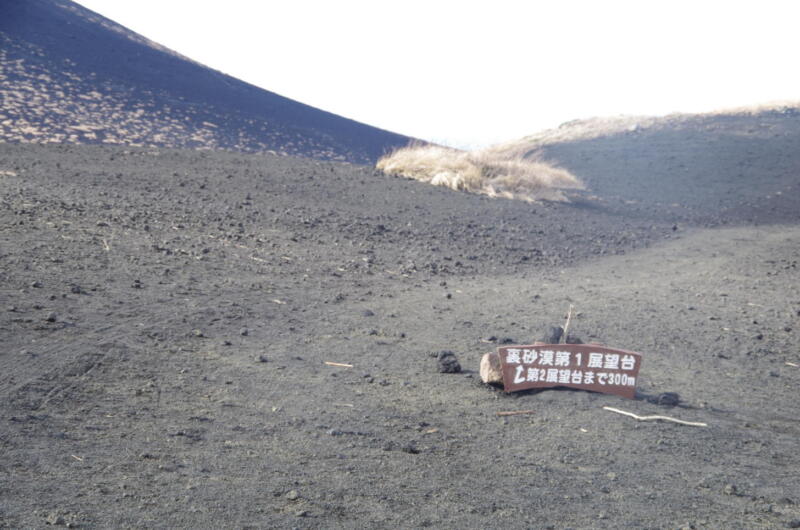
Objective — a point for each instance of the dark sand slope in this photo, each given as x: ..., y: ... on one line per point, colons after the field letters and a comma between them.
x: 141, y: 289
x: 70, y: 75
x: 743, y: 166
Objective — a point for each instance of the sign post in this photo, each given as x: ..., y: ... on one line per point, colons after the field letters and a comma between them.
x: 583, y: 366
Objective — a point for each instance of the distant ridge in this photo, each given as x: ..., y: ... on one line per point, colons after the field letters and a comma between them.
x: 70, y: 75
x: 687, y: 165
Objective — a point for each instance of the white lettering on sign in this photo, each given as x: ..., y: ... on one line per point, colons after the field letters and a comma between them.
x: 611, y: 361
x: 628, y: 362
x: 595, y: 360
x: 546, y: 357
x: 597, y: 367
x: 529, y: 356
x: 562, y: 358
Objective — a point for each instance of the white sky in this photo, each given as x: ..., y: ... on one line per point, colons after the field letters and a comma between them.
x: 471, y: 74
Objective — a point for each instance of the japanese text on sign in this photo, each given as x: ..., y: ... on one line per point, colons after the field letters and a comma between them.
x: 585, y: 366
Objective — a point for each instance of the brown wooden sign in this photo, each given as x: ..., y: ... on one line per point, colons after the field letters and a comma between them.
x: 584, y: 366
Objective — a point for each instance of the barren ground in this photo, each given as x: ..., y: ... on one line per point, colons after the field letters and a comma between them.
x: 165, y: 317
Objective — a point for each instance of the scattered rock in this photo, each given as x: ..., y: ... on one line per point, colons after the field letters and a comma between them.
x: 293, y: 495
x: 794, y: 523
x: 490, y: 369
x: 55, y: 520
x: 554, y: 335
x: 730, y: 489
x: 36, y: 284
x: 244, y: 332
x: 197, y: 333
x: 447, y: 362
x: 367, y: 313
x: 668, y: 399
x: 572, y: 339
x: 263, y: 358
x: 410, y: 448
x: 51, y: 316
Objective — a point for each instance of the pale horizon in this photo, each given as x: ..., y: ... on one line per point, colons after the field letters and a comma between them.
x: 470, y: 76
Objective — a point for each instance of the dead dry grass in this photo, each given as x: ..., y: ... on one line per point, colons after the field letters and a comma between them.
x: 485, y: 171
x: 597, y: 127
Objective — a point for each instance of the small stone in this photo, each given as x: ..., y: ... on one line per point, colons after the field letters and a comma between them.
x: 76, y: 289
x: 668, y: 399
x: 51, y: 316
x: 729, y: 489
x: 293, y: 495
x: 367, y: 313
x: 794, y: 523
x: 55, y: 520
x: 244, y: 332
x: 197, y: 333
x: 410, y: 449
x: 263, y: 358
x: 553, y: 336
x: 572, y: 339
x: 36, y: 284
x: 447, y: 362
x: 490, y: 369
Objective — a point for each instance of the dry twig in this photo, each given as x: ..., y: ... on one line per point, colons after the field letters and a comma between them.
x: 343, y: 365
x: 514, y: 412
x: 648, y: 418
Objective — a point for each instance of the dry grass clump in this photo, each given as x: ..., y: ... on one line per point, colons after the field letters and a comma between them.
x: 486, y: 172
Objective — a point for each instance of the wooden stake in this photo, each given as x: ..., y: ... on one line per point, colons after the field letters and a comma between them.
x: 566, y: 326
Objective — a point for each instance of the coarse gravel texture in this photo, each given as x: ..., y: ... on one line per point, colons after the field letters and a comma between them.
x: 165, y: 318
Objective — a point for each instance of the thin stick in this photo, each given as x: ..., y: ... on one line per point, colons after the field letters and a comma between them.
x: 343, y: 365
x: 514, y: 412
x: 79, y: 459
x: 665, y: 418
x: 566, y: 326
x: 792, y: 364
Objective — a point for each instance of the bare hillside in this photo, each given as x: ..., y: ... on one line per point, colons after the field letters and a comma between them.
x: 68, y: 75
